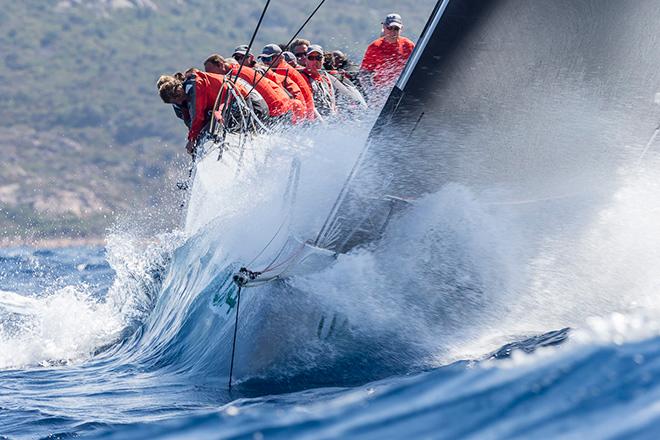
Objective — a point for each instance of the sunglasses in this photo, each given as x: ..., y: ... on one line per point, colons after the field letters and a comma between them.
x: 315, y: 58
x: 267, y: 59
x: 301, y: 55
x: 393, y: 28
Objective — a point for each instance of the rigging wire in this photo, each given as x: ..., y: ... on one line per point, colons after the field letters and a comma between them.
x: 284, y: 221
x: 233, y: 345
x: 249, y: 48
x: 254, y: 34
x: 648, y: 145
x: 230, y: 93
x: 279, y: 56
x: 272, y: 266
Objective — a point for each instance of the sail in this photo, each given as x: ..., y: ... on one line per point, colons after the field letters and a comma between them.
x: 527, y: 96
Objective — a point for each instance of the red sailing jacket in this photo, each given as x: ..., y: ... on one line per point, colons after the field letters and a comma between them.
x: 202, y: 90
x: 387, y: 60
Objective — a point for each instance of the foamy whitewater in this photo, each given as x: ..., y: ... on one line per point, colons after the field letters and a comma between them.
x: 479, y: 314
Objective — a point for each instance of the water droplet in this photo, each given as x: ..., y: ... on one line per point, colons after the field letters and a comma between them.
x: 232, y: 411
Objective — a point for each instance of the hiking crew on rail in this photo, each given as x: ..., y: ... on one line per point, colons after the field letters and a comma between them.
x: 299, y: 84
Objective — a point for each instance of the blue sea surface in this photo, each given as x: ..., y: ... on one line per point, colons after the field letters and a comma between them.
x: 127, y: 382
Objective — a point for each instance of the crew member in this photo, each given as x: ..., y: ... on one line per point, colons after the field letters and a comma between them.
x: 241, y: 52
x: 386, y: 57
x: 181, y: 111
x: 299, y: 48
x: 290, y: 59
x: 198, y: 93
x: 345, y: 66
x: 273, y: 56
x: 218, y: 65
x: 279, y: 104
x: 319, y: 82
x: 329, y: 63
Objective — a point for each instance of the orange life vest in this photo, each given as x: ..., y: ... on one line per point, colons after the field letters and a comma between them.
x: 298, y: 106
x: 283, y: 68
x: 276, y: 98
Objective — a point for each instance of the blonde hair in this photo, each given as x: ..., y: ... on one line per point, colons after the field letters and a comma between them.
x: 170, y: 87
x: 162, y: 80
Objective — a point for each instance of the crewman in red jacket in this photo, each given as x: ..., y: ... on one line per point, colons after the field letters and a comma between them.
x: 279, y: 103
x: 273, y: 57
x: 198, y: 94
x: 386, y: 57
x: 241, y: 52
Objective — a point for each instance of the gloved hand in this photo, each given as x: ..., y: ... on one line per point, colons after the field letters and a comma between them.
x: 191, y: 147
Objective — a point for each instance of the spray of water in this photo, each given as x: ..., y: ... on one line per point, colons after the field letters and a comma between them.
x: 461, y: 272
x: 71, y: 324
x: 65, y: 326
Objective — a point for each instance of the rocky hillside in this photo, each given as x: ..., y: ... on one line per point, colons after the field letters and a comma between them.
x: 84, y: 134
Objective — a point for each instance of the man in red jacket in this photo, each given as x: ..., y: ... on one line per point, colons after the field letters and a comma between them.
x: 241, y: 52
x: 197, y: 93
x: 272, y: 56
x: 386, y: 57
x: 279, y: 103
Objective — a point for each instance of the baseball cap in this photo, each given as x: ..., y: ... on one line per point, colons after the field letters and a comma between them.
x: 393, y: 20
x: 270, y: 50
x: 242, y: 49
x: 314, y: 48
x: 288, y: 56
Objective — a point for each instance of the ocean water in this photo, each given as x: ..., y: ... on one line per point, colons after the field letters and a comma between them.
x: 77, y: 372
x: 476, y: 316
